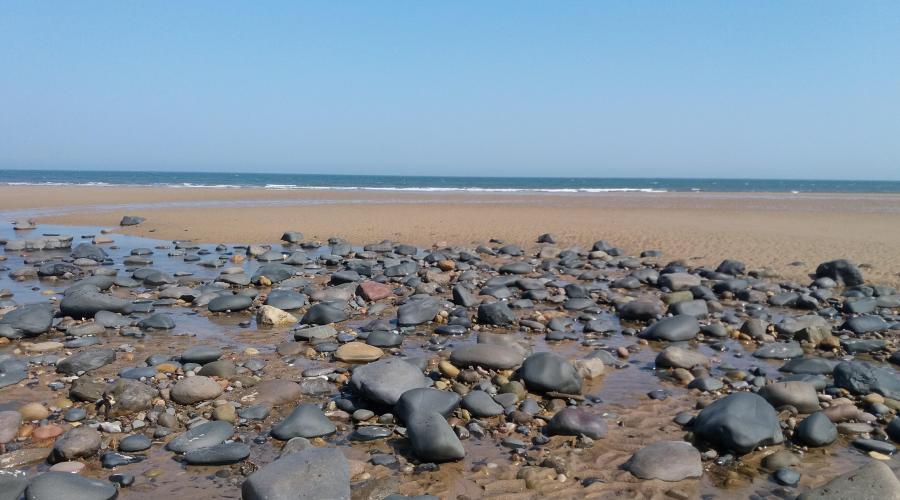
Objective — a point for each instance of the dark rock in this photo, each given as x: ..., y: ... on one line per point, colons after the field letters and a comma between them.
x: 577, y: 421
x: 546, y: 371
x: 68, y: 486
x: 432, y: 438
x: 310, y: 474
x: 674, y: 329
x: 307, y: 421
x: 842, y: 271
x: 739, y: 422
x: 666, y: 460
x: 860, y: 377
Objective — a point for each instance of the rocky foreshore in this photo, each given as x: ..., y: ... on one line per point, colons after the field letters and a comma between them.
x: 326, y: 370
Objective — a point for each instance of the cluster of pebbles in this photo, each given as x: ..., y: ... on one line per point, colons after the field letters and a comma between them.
x: 368, y: 372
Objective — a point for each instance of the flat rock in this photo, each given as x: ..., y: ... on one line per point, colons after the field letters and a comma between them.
x: 800, y: 395
x: 384, y: 381
x: 489, y: 356
x: 68, y: 486
x: 358, y: 352
x: 860, y: 377
x: 86, y: 361
x: 577, y: 421
x: 674, y: 329
x: 78, y: 442
x: 666, y: 460
x: 310, y: 474
x: 306, y: 421
x: 202, y: 436
x: 873, y: 481
x: 191, y: 390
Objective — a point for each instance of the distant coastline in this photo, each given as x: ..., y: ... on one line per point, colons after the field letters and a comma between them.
x: 282, y: 182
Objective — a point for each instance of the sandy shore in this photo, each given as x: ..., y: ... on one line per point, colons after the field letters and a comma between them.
x: 772, y: 230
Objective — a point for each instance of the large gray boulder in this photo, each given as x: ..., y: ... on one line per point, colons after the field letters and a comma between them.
x: 873, y: 481
x: 489, y: 356
x: 739, y: 422
x: 86, y: 301
x: 306, y: 421
x: 86, y: 361
x: 546, y: 371
x: 841, y: 271
x: 417, y: 310
x: 384, y: 381
x: 27, y: 321
x: 860, y: 377
x: 432, y: 438
x: 65, y: 485
x: 674, y: 329
x: 666, y: 460
x: 310, y: 474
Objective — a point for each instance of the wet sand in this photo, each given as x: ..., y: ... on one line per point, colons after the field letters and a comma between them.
x: 790, y: 233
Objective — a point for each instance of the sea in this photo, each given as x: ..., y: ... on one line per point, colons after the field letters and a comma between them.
x: 282, y: 181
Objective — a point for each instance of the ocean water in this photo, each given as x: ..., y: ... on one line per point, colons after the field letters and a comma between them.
x: 214, y: 180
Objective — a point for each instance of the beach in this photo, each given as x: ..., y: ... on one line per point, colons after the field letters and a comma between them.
x: 210, y: 342
x: 789, y: 233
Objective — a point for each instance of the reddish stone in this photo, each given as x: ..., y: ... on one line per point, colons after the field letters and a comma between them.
x: 46, y: 432
x: 372, y: 291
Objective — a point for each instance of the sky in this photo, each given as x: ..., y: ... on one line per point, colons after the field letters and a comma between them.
x: 762, y: 89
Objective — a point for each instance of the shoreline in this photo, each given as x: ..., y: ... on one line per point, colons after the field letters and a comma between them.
x: 762, y: 229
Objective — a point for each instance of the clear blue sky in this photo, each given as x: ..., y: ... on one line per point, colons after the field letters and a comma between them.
x: 803, y: 89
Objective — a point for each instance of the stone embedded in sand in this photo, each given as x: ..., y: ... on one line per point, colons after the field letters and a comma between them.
x: 277, y: 392
x: 739, y: 422
x: 384, y: 381
x: 666, y: 460
x: 324, y: 313
x: 272, y: 316
x: 230, y: 303
x: 201, y: 436
x: 309, y: 474
x: 490, y: 356
x: 873, y: 480
x: 432, y: 438
x: 358, y: 352
x: 372, y: 291
x: 860, y: 377
x: 576, y: 421
x: 546, y: 371
x: 27, y: 321
x: 286, y: 300
x: 842, y: 271
x: 79, y: 442
x: 674, y: 329
x: 800, y: 395
x: 219, y: 454
x: 195, y: 389
x: 418, y: 310
x: 131, y: 220
x: 9, y: 425
x: 85, y: 301
x: 306, y: 421
x: 679, y: 357
x: 86, y: 361
x: 496, y: 314
x: 425, y: 398
x: 53, y: 484
x: 816, y: 430
x: 678, y: 281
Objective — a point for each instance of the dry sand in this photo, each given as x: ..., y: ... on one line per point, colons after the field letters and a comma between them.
x: 764, y: 229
